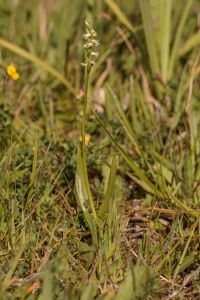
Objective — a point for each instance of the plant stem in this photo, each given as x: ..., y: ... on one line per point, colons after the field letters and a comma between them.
x: 84, y: 159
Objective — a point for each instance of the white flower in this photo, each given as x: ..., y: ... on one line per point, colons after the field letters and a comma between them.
x: 87, y: 35
x: 95, y: 54
x: 90, y: 43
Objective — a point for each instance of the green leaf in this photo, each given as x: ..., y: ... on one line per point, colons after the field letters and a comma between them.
x: 120, y: 15
x: 177, y: 39
x: 192, y: 42
x: 109, y: 189
x: 165, y: 34
x: 149, y: 35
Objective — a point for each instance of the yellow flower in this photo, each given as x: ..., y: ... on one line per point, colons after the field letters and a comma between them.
x: 12, y: 72
x: 87, y: 138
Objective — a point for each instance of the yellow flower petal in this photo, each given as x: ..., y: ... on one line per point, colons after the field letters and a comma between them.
x: 11, y: 69
x: 15, y: 76
x: 12, y: 72
x: 87, y: 138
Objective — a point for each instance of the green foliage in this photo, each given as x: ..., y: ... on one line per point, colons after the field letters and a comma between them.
x: 99, y: 168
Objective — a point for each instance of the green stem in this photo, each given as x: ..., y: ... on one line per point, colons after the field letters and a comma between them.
x: 84, y: 159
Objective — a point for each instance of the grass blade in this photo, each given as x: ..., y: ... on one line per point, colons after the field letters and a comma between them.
x: 165, y: 26
x: 6, y: 281
x: 179, y: 265
x: 109, y: 189
x: 149, y: 35
x: 176, y: 44
x: 192, y: 42
x: 120, y: 15
x: 124, y: 120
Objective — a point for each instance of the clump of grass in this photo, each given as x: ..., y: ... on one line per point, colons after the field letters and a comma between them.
x: 99, y: 205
